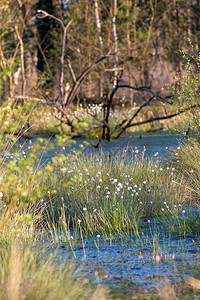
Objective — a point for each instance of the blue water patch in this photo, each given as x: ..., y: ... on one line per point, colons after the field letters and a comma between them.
x: 157, y: 145
x: 129, y: 263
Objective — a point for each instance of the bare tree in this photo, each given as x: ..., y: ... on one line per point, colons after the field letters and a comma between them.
x: 43, y: 14
x: 114, y: 30
x: 100, y: 41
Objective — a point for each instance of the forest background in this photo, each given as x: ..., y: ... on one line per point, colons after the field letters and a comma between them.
x: 69, y: 56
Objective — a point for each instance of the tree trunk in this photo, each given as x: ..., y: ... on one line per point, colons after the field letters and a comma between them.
x: 100, y: 41
x: 87, y: 21
x: 30, y: 51
x: 114, y: 30
x: 129, y: 46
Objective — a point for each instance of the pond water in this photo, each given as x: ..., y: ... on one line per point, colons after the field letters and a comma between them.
x: 152, y: 145
x: 129, y: 265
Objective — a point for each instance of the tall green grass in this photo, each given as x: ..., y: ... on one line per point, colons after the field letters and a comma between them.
x: 104, y: 195
x: 186, y: 159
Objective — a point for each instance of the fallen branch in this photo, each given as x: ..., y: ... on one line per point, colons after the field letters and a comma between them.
x: 31, y: 98
x: 157, y: 119
x: 135, y: 115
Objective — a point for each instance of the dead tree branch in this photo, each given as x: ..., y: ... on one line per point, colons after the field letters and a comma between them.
x: 110, y: 101
x: 79, y: 80
x: 97, y: 119
x: 150, y: 120
x: 71, y: 69
x: 135, y: 114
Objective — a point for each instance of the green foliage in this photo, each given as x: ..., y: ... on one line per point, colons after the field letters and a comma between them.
x: 187, y: 161
x: 23, y: 181
x: 187, y: 90
x: 13, y: 117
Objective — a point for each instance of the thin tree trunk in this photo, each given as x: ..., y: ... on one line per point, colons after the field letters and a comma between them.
x: 98, y: 26
x: 134, y: 21
x: 114, y: 30
x: 62, y: 67
x: 22, y: 61
x: 100, y: 41
x: 129, y: 46
x: 87, y: 21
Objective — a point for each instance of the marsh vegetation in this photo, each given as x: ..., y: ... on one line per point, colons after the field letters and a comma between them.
x: 99, y: 149
x: 90, y: 226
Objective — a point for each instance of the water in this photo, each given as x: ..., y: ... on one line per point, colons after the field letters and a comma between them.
x: 130, y: 264
x: 156, y: 145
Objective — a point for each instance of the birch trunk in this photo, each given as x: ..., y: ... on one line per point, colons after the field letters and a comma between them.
x: 100, y: 41
x: 88, y: 32
x: 115, y: 42
x: 129, y: 46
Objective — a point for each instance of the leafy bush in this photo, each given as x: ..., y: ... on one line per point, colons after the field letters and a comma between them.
x: 187, y: 91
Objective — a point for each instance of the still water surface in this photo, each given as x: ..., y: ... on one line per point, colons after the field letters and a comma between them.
x: 157, y: 145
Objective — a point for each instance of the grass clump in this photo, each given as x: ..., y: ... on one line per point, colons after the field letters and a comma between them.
x: 186, y: 160
x: 113, y: 196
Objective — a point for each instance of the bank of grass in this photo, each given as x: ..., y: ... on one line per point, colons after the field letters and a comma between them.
x: 43, y: 121
x: 103, y: 194
x: 98, y: 193
x: 186, y: 158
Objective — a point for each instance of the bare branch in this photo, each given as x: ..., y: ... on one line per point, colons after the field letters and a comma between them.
x: 79, y: 80
x: 44, y: 57
x: 134, y: 116
x: 4, y: 7
x: 41, y: 14
x: 96, y: 118
x: 157, y: 119
x: 110, y: 101
x: 71, y: 69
